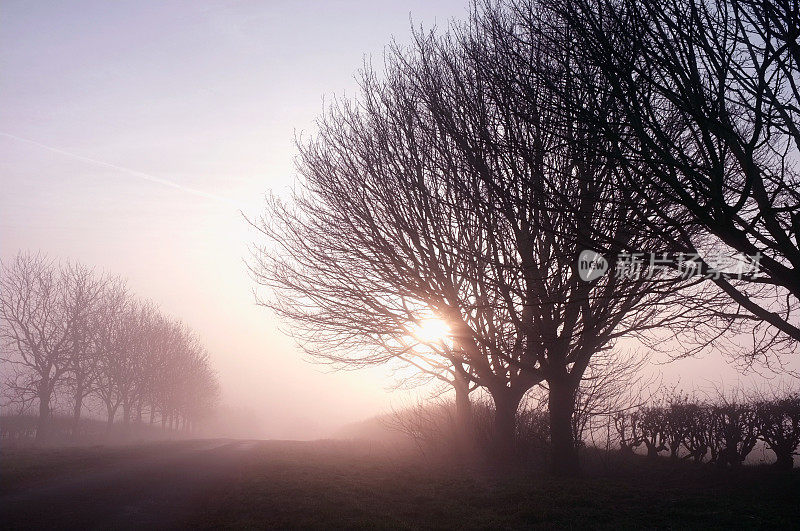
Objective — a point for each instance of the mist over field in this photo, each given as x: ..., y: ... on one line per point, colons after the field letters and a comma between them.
x: 129, y: 101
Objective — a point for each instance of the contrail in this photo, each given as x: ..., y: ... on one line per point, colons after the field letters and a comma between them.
x: 135, y: 173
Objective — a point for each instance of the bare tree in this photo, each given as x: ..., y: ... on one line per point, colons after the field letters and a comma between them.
x: 735, y: 430
x: 626, y: 427
x: 779, y: 426
x: 377, y: 241
x: 652, y: 429
x: 433, y: 194
x: 114, y: 337
x: 698, y: 430
x: 66, y: 329
x: 726, y: 428
x: 82, y: 293
x: 35, y: 331
x: 611, y: 385
x: 709, y: 101
x: 530, y: 175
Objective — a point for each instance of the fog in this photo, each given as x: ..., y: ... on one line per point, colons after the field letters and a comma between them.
x: 136, y: 138
x: 148, y: 127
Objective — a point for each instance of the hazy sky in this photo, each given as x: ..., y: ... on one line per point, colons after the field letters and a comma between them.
x: 103, y: 104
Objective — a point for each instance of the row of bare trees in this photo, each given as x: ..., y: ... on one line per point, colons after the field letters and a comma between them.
x: 72, y: 335
x: 725, y: 430
x: 469, y: 175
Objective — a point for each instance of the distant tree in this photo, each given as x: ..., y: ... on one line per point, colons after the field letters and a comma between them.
x: 726, y: 429
x: 779, y: 426
x: 35, y: 330
x: 736, y: 428
x: 201, y: 390
x: 611, y: 385
x: 677, y: 420
x: 625, y: 424
x: 698, y: 430
x: 81, y: 296
x: 651, y: 430
x: 164, y: 338
x: 67, y: 330
x: 114, y: 347
x: 135, y: 376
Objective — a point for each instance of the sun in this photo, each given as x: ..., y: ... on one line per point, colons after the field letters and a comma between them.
x: 432, y: 331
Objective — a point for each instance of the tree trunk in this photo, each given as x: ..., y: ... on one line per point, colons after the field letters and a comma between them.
x: 652, y: 452
x: 673, y: 451
x: 561, y: 403
x: 77, y: 407
x: 43, y: 422
x: 111, y: 412
x: 735, y: 459
x: 699, y: 456
x: 505, y: 423
x: 785, y: 461
x: 625, y: 449
x: 463, y: 419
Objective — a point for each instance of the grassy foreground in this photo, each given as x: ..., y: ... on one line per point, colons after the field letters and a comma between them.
x: 327, y: 484
x: 22, y: 468
x: 340, y: 485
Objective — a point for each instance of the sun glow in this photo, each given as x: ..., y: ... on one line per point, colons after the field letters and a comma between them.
x: 432, y: 331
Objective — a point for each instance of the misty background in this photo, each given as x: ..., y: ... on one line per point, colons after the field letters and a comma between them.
x: 133, y: 136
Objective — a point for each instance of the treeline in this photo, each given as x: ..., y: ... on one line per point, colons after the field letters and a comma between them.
x: 722, y: 431
x: 725, y: 431
x: 78, y: 339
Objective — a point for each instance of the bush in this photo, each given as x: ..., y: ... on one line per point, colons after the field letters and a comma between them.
x: 726, y: 431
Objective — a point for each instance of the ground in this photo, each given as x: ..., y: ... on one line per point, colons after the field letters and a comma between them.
x: 324, y: 484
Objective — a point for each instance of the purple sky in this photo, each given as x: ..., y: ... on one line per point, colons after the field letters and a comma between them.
x: 131, y: 133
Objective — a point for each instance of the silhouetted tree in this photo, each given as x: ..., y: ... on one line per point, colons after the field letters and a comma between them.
x: 698, y: 430
x: 651, y: 429
x: 433, y: 194
x: 736, y: 428
x: 377, y: 240
x: 707, y: 135
x: 677, y: 423
x: 727, y: 429
x: 625, y: 424
x: 779, y: 426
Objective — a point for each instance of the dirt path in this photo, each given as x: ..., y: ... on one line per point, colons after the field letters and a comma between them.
x: 160, y: 492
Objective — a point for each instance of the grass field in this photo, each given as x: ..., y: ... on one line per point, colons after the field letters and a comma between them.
x: 22, y: 468
x: 299, y: 485
x: 328, y: 484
